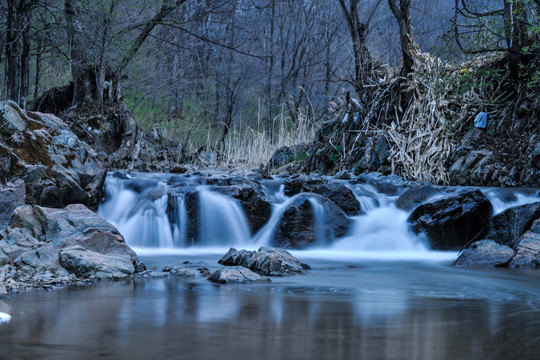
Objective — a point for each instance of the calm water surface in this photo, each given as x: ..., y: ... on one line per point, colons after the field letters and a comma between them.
x: 343, y: 309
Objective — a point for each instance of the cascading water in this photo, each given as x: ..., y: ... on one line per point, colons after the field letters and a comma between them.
x: 221, y: 220
x: 380, y: 230
x: 504, y: 198
x: 156, y: 211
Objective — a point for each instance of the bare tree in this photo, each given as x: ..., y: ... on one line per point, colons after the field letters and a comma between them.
x: 401, y: 11
x: 358, y: 30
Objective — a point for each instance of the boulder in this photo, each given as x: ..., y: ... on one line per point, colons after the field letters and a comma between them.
x: 339, y: 193
x: 310, y: 220
x: 56, y: 166
x: 389, y: 185
x: 485, y: 253
x: 48, y: 246
x: 266, y: 261
x: 452, y: 222
x: 527, y: 252
x: 416, y: 196
x: 508, y: 226
x: 12, y: 195
x: 236, y: 275
x: 86, y: 263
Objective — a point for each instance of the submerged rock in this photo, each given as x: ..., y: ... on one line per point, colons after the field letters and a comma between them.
x: 236, y: 275
x: 454, y: 221
x: 485, y: 253
x: 266, y: 261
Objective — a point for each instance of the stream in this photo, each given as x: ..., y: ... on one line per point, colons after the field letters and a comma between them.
x: 379, y: 292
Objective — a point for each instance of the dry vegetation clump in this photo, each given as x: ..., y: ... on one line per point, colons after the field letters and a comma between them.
x: 441, y: 102
x: 422, y: 117
x: 253, y: 146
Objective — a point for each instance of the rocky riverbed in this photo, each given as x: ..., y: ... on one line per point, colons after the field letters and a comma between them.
x: 51, y: 182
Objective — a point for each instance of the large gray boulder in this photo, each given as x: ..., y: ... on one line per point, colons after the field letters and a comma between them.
x: 236, y: 275
x: 485, y: 253
x: 266, y: 261
x: 86, y: 263
x: 56, y: 166
x: 62, y: 245
x: 452, y: 222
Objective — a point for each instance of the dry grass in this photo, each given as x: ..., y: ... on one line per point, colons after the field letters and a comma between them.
x: 253, y: 147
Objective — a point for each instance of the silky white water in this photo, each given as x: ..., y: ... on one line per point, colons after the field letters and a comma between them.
x: 152, y: 215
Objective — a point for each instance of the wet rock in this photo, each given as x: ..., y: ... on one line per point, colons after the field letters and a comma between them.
x: 181, y: 272
x: 310, y: 220
x: 508, y: 226
x: 454, y: 221
x: 236, y: 275
x: 266, y: 261
x: 12, y: 195
x: 343, y: 175
x: 56, y: 166
x: 527, y: 252
x: 389, y: 185
x: 485, y: 253
x: 416, y: 196
x: 340, y: 194
x: 177, y: 271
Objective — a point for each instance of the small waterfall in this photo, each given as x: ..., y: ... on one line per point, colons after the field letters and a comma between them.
x: 319, y: 218
x: 504, y: 198
x: 221, y: 220
x: 264, y: 236
x: 178, y: 217
x: 368, y: 197
x: 176, y: 211
x: 140, y: 217
x: 384, y: 229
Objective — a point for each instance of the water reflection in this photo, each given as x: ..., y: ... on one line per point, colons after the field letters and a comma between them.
x: 390, y: 312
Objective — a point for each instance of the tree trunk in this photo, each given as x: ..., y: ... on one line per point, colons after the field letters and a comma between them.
x: 402, y: 15
x: 88, y: 77
x: 515, y: 16
x: 13, y: 52
x: 363, y: 63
